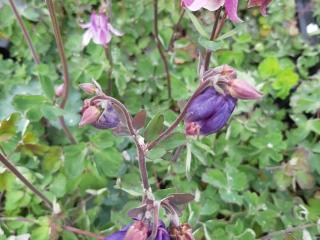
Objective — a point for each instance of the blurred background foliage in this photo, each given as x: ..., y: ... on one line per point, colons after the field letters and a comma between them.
x: 260, y: 174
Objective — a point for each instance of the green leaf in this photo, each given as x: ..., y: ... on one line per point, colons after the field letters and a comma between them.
x: 58, y: 186
x: 285, y: 80
x: 8, y: 127
x: 42, y: 232
x: 211, y: 45
x: 269, y: 67
x: 174, y: 141
x: 25, y: 102
x: 216, y: 178
x: 197, y: 24
x: 108, y: 161
x: 45, y: 81
x: 74, y: 157
x: 154, y: 127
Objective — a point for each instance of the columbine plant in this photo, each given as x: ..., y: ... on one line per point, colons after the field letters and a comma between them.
x: 206, y: 112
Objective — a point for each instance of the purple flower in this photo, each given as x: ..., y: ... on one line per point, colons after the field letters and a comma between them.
x: 231, y: 6
x: 139, y: 231
x: 209, y: 112
x: 99, y: 30
x: 101, y: 115
x: 263, y: 4
x: 108, y: 119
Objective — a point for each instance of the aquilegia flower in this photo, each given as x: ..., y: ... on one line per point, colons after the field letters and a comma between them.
x: 99, y: 30
x: 210, y: 110
x: 212, y: 5
x: 263, y: 4
x: 100, y: 114
x: 139, y: 231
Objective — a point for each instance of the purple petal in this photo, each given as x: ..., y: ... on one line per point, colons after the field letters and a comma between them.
x: 231, y: 9
x: 93, y: 20
x: 162, y: 234
x: 205, y: 105
x: 108, y: 119
x: 218, y: 121
x: 114, y: 31
x: 87, y: 36
x: 119, y: 235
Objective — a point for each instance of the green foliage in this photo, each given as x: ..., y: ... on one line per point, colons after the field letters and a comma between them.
x: 259, y: 175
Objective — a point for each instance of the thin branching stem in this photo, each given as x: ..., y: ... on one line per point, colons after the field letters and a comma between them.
x: 25, y: 181
x: 169, y: 130
x: 108, y: 54
x: 287, y: 231
x: 160, y: 46
x: 217, y: 27
x: 175, y: 28
x: 66, y: 80
x: 26, y: 34
x: 136, y: 138
x: 83, y: 232
x: 64, y: 227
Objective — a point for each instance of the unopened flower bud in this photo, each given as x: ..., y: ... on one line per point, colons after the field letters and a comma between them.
x: 89, y: 116
x: 242, y: 90
x: 59, y: 90
x: 182, y: 232
x: 209, y: 112
x: 137, y: 231
x: 108, y: 119
x: 88, y: 88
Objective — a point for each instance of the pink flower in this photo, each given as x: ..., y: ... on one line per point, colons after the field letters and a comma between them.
x: 99, y: 30
x: 231, y: 6
x: 263, y: 4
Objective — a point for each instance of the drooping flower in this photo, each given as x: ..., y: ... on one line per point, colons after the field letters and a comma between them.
x: 100, y: 114
x: 209, y: 112
x: 263, y: 4
x: 99, y: 30
x: 139, y: 231
x: 231, y: 7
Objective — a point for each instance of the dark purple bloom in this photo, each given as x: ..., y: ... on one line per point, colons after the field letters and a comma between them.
x: 139, y: 231
x: 108, y: 119
x: 209, y: 112
x: 100, y: 114
x: 119, y: 235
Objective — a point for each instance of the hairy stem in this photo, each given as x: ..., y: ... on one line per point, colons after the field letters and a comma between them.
x: 136, y: 137
x: 25, y: 181
x: 66, y: 80
x: 169, y: 130
x: 26, y: 34
x: 83, y: 232
x: 160, y: 47
x: 107, y: 52
x: 65, y: 227
x: 175, y: 28
x: 288, y: 230
x: 217, y: 27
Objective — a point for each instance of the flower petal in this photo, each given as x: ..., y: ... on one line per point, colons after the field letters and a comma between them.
x: 114, y: 31
x: 205, y: 105
x: 87, y: 36
x: 231, y: 9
